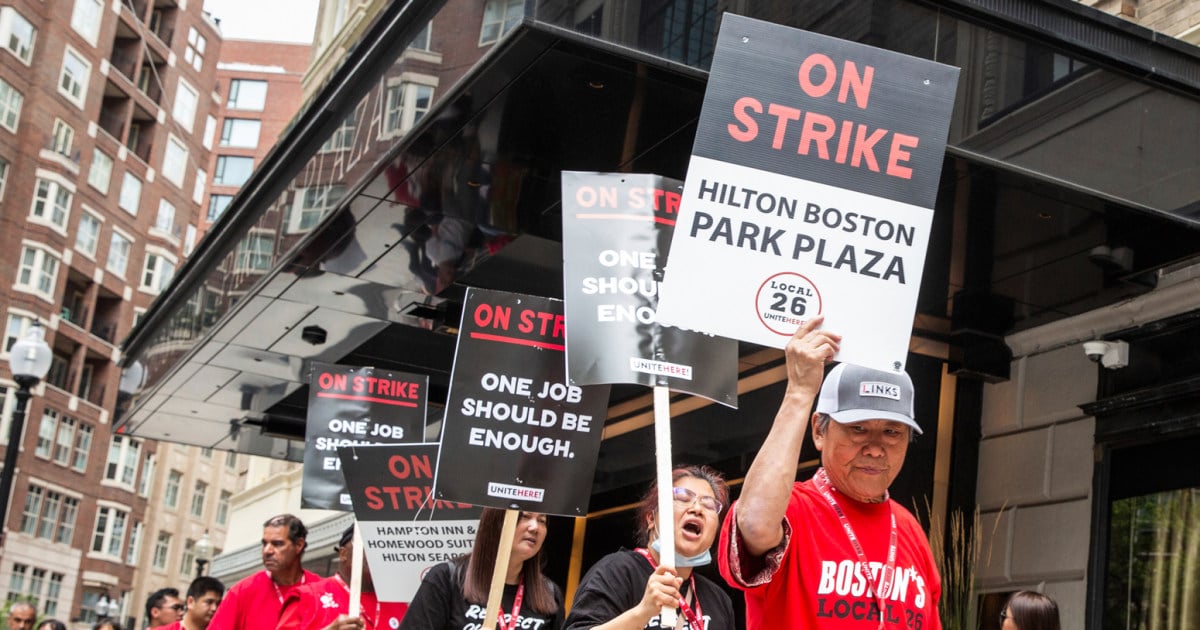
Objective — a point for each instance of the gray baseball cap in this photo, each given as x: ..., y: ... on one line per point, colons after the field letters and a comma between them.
x: 852, y: 393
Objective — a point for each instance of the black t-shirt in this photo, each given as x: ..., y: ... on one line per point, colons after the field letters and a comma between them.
x: 440, y: 605
x: 617, y: 583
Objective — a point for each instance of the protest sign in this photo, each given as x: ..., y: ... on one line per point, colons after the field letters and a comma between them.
x: 809, y: 192
x: 405, y: 532
x: 355, y: 405
x: 516, y: 435
x: 616, y: 231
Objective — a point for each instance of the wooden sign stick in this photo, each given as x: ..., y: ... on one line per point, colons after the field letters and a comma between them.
x: 500, y: 572
x: 357, y: 560
x: 666, y: 497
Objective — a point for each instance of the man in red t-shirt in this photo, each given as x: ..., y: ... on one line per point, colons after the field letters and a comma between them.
x: 254, y: 603
x: 203, y: 596
x: 834, y: 551
x: 324, y: 605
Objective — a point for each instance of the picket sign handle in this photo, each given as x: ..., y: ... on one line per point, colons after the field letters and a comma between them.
x: 356, y: 553
x: 666, y: 499
x: 500, y: 572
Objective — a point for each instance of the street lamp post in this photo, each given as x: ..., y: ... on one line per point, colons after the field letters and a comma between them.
x: 29, y: 360
x: 204, y: 553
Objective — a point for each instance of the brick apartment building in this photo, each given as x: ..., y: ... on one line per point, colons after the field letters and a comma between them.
x: 107, y: 117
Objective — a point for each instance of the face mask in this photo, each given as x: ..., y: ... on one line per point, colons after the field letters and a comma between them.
x: 685, y: 562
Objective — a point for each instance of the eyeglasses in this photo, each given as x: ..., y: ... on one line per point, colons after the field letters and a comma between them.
x: 177, y: 607
x: 686, y: 498
x: 1003, y: 616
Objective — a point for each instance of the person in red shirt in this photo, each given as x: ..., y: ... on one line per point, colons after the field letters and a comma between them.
x: 203, y: 596
x: 324, y: 605
x: 835, y: 551
x: 255, y: 602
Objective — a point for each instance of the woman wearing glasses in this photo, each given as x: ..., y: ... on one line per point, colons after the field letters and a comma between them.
x: 627, y: 589
x: 1029, y: 610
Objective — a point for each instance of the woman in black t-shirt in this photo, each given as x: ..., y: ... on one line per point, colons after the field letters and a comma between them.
x: 453, y: 595
x: 627, y: 589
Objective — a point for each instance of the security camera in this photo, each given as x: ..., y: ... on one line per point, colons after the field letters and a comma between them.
x: 1113, y: 355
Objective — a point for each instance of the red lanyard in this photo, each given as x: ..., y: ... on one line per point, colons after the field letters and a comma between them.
x: 279, y: 593
x: 516, y: 611
x: 367, y: 623
x: 880, y: 589
x: 693, y: 617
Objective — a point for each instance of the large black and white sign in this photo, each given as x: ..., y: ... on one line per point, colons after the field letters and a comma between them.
x: 405, y: 532
x: 516, y: 435
x: 616, y: 231
x: 355, y: 405
x: 809, y: 192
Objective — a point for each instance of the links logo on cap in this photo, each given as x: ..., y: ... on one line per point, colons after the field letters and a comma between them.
x: 853, y: 393
x: 879, y: 390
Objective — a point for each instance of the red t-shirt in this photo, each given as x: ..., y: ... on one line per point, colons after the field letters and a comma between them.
x: 178, y: 625
x: 810, y: 580
x: 314, y: 606
x: 254, y: 602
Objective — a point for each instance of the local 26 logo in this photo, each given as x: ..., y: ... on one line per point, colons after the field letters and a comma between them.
x: 785, y: 301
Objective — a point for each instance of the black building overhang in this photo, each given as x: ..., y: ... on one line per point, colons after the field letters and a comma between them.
x: 361, y: 288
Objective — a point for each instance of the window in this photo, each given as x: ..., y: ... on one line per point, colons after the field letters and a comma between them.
x: 73, y: 80
x: 247, y: 94
x: 406, y: 104
x: 118, y: 254
x: 63, y: 138
x: 162, y: 547
x: 199, y: 495
x: 194, y: 54
x: 131, y: 193
x: 189, y: 240
x: 64, y: 441
x: 223, y: 507
x: 33, y: 508
x: 174, y: 161
x: 135, y: 544
x: 206, y: 452
x: 189, y: 555
x: 100, y: 172
x: 500, y: 17
x: 240, y: 132
x: 254, y: 253
x: 147, y: 475
x: 343, y: 136
x: 171, y: 492
x: 312, y: 204
x: 217, y: 205
x: 87, y: 237
x: 86, y: 19
x: 53, y: 591
x: 38, y: 272
x: 66, y: 521
x: 46, y: 432
x: 421, y: 41
x: 17, y: 34
x: 10, y: 106
x: 231, y: 460
x: 83, y: 446
x: 16, y: 581
x: 233, y: 170
x: 17, y: 325
x: 51, y: 203
x: 157, y: 272
x: 165, y: 220
x: 50, y: 511
x: 200, y: 185
x: 210, y: 127
x: 109, y: 536
x: 124, y: 453
x: 185, y: 105
x: 3, y: 175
